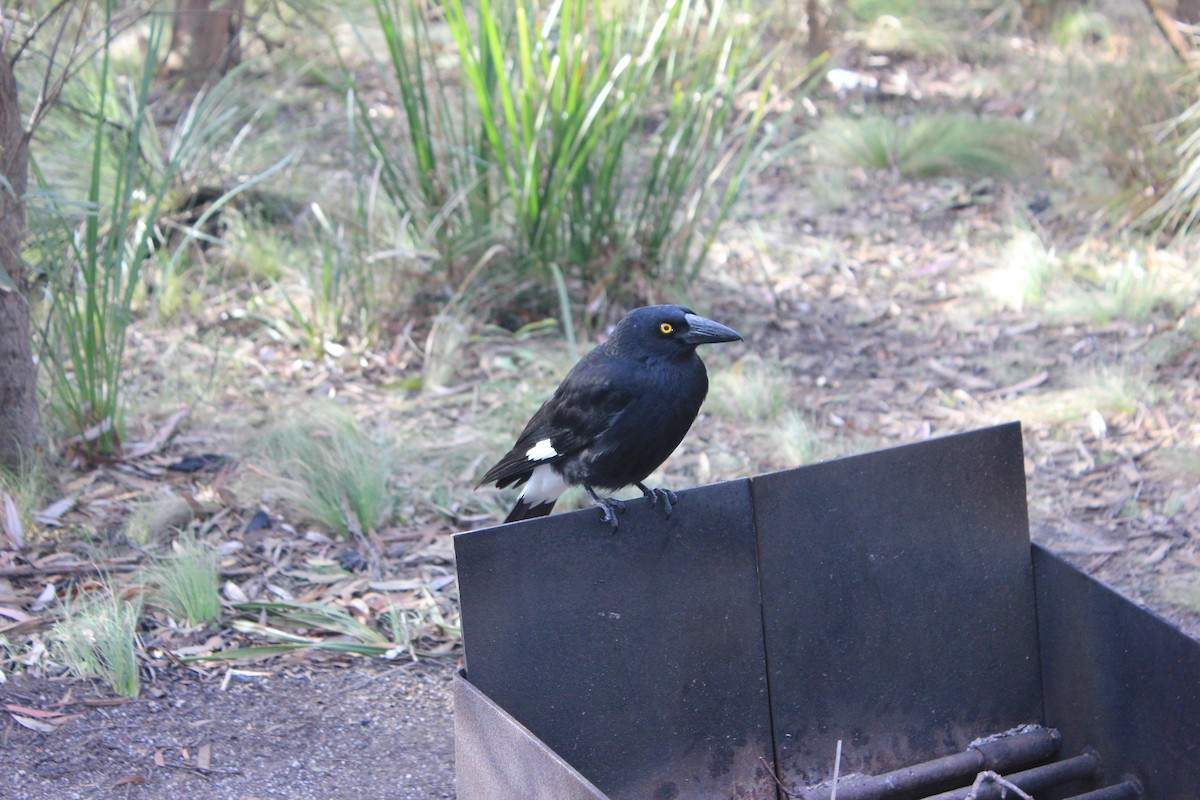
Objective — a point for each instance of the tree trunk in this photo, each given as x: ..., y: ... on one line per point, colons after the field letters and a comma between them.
x: 1174, y: 17
x: 818, y: 37
x: 20, y: 425
x: 205, y: 40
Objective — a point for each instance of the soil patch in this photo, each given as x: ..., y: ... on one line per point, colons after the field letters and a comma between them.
x: 374, y: 731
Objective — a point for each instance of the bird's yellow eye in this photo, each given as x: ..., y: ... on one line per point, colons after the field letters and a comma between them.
x: 666, y: 328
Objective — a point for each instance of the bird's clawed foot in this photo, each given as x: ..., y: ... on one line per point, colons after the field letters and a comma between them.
x: 609, y: 506
x: 669, y: 498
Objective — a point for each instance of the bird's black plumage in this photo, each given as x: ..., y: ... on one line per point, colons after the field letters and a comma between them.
x: 616, y: 416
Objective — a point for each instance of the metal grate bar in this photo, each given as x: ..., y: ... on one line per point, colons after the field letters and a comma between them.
x: 1126, y: 790
x: 999, y: 753
x: 1084, y: 765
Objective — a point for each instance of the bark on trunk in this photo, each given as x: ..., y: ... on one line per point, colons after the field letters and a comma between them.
x: 818, y: 37
x: 1173, y: 18
x: 205, y: 40
x: 20, y: 425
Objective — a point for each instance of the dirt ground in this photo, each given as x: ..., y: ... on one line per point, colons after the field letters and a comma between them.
x: 375, y: 731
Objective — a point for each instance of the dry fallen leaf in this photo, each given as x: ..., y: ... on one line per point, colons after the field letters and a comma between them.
x: 31, y: 712
x: 14, y: 614
x: 52, y: 514
x: 398, y: 585
x: 234, y: 593
x: 10, y: 521
x: 105, y: 702
x: 44, y: 599
x: 33, y: 724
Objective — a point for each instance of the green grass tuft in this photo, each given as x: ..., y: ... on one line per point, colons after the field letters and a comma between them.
x: 798, y: 440
x: 97, y: 637
x: 1113, y: 391
x: 752, y: 390
x: 185, y: 584
x: 929, y: 146
x: 1179, y: 207
x: 1025, y: 266
x: 332, y: 472
x: 23, y: 490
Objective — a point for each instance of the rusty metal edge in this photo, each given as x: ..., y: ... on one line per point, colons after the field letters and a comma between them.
x: 498, y: 758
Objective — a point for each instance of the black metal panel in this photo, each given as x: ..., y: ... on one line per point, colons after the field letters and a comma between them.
x: 900, y: 616
x: 636, y: 655
x: 1119, y: 679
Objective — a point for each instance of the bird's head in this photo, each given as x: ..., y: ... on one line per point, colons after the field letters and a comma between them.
x: 668, y: 330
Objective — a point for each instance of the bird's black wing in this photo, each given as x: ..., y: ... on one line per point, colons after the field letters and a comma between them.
x: 595, y: 391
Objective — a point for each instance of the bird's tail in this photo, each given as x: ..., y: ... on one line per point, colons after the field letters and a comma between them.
x: 525, y: 510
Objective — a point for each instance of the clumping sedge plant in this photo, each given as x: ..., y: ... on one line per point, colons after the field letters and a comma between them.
x: 1179, y: 207
x: 927, y: 146
x: 97, y: 637
x: 185, y: 583
x: 332, y: 472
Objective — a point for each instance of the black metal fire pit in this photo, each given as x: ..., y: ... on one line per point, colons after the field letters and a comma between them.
x: 889, y: 601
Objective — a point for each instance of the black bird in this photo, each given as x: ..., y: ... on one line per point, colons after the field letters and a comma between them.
x: 617, y: 415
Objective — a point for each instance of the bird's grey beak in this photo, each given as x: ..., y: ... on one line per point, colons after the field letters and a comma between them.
x: 705, y: 331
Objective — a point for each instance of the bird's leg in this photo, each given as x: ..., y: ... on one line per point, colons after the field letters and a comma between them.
x: 609, y: 505
x: 668, y: 497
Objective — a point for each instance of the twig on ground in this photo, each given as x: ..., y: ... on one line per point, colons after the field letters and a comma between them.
x: 50, y: 569
x: 205, y: 771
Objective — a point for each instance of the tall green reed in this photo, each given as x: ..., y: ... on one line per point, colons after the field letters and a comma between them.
x: 592, y: 143
x: 94, y: 249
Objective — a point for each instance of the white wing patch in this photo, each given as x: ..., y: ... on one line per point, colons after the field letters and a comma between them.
x: 541, y: 451
x: 544, y: 486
